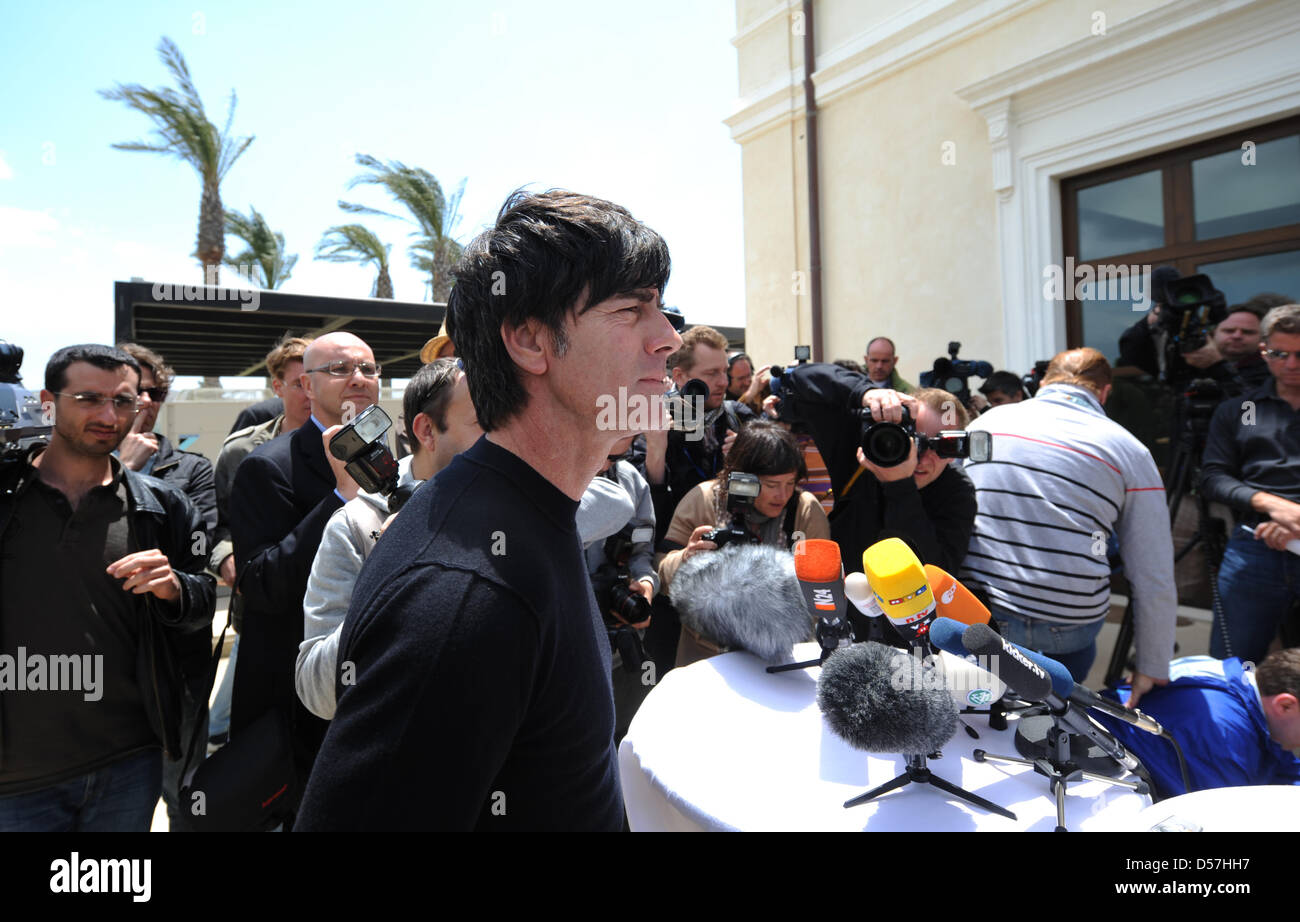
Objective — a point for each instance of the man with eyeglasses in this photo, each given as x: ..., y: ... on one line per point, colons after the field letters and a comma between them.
x: 103, y: 572
x: 1252, y: 463
x: 283, y: 495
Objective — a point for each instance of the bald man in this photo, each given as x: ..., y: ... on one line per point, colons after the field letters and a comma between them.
x: 283, y: 494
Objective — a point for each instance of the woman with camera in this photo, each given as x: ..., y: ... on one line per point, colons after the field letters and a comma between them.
x: 778, y: 515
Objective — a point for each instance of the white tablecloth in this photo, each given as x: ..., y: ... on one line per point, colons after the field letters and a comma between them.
x: 1258, y: 808
x: 722, y: 745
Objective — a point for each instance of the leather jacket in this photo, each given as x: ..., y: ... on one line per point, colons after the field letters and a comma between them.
x: 162, y: 517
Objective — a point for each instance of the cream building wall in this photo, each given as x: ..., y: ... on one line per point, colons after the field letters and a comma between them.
x: 945, y: 127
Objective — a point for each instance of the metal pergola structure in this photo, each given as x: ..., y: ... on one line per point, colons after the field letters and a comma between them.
x: 216, y: 331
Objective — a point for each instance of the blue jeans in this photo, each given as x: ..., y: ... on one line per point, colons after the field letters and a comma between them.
x: 219, y: 716
x: 119, y: 797
x: 1074, y: 646
x: 1256, y: 586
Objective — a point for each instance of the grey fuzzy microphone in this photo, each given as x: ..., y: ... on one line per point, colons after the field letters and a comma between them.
x: 869, y: 698
x: 744, y: 596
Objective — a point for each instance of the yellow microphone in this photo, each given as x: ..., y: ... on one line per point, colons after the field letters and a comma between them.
x: 901, y: 589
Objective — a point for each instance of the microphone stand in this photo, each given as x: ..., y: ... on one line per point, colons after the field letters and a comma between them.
x: 918, y: 770
x: 1070, y: 729
x: 831, y: 636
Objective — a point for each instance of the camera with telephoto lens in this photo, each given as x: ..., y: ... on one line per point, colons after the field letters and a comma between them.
x: 787, y: 407
x: 742, y: 490
x: 952, y: 374
x: 888, y: 444
x: 619, y: 604
x: 362, y: 446
x: 1190, y: 307
x: 21, y: 425
x: 1034, y: 380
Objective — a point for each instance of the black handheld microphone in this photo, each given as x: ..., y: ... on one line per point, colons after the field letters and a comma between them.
x: 1021, y: 674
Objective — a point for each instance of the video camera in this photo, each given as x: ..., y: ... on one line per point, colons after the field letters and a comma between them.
x: 742, y: 490
x: 787, y: 408
x: 619, y: 604
x: 21, y: 426
x: 888, y: 444
x: 952, y: 373
x: 362, y: 446
x: 1189, y: 308
x: 1034, y: 380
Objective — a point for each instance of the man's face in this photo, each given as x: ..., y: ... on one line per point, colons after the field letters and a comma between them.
x: 95, y: 432
x: 998, y: 398
x: 297, y: 405
x: 1238, y: 336
x: 462, y: 426
x: 880, y: 361
x: 928, y: 465
x: 621, y: 342
x: 742, y: 375
x: 148, y: 406
x: 1286, y: 371
x: 334, y: 398
x: 710, y: 366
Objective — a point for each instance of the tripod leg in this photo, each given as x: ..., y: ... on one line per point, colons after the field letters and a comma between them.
x: 1059, y: 785
x: 952, y: 789
x: 885, y: 788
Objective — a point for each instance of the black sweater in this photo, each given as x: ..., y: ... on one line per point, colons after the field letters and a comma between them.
x: 482, y: 694
x: 936, y: 522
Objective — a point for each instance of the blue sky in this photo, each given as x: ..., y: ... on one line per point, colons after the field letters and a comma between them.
x: 621, y: 100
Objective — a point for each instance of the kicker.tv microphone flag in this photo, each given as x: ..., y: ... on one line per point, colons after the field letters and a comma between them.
x: 898, y: 581
x: 744, y: 596
x: 952, y: 599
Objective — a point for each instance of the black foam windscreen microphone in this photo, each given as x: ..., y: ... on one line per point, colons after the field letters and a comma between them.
x: 866, y: 706
x: 1021, y: 674
x: 744, y: 596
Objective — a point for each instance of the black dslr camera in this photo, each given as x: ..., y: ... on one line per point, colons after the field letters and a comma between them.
x: 21, y: 424
x: 952, y: 373
x: 362, y: 445
x: 620, y: 606
x: 888, y: 444
x: 742, y: 490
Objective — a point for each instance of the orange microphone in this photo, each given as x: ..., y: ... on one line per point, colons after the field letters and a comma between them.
x: 954, y: 600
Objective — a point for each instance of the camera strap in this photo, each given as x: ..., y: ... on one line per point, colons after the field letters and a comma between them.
x: 852, y: 480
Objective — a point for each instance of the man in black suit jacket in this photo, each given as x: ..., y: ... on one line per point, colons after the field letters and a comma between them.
x: 283, y: 494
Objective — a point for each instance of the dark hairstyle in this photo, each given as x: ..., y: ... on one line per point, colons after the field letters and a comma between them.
x: 550, y: 256
x: 108, y: 358
x: 1261, y: 304
x: 764, y: 449
x: 1279, y: 674
x: 851, y: 365
x: 157, y: 365
x: 429, y: 392
x: 1004, y: 382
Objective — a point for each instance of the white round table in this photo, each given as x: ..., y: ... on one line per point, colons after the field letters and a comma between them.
x: 1256, y: 808
x: 723, y: 745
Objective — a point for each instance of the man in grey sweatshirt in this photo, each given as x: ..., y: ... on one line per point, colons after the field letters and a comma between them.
x: 440, y: 424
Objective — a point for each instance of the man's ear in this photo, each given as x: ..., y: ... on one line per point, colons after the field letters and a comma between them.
x: 529, y: 345
x: 305, y: 380
x: 1104, y: 394
x: 679, y: 376
x: 426, y: 433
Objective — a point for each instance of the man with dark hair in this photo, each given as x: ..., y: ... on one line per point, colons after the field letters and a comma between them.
x: 1252, y: 464
x: 882, y: 366
x: 152, y: 453
x: 1062, y: 481
x: 440, y: 423
x: 1235, y: 725
x: 102, y: 570
x: 1231, y: 354
x: 284, y: 493
x: 1002, y: 387
x: 482, y: 693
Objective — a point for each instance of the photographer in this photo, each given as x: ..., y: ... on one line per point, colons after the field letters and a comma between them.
x: 680, y: 458
x: 1252, y: 463
x: 777, y: 514
x: 924, y: 500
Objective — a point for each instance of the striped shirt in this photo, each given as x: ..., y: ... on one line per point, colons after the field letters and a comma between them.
x: 1063, y: 480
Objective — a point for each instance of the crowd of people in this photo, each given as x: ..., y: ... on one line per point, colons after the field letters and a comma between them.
x: 448, y: 665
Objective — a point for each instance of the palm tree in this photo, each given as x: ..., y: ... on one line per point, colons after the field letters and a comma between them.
x: 264, y: 256
x: 184, y: 131
x: 434, y: 216
x: 356, y: 243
